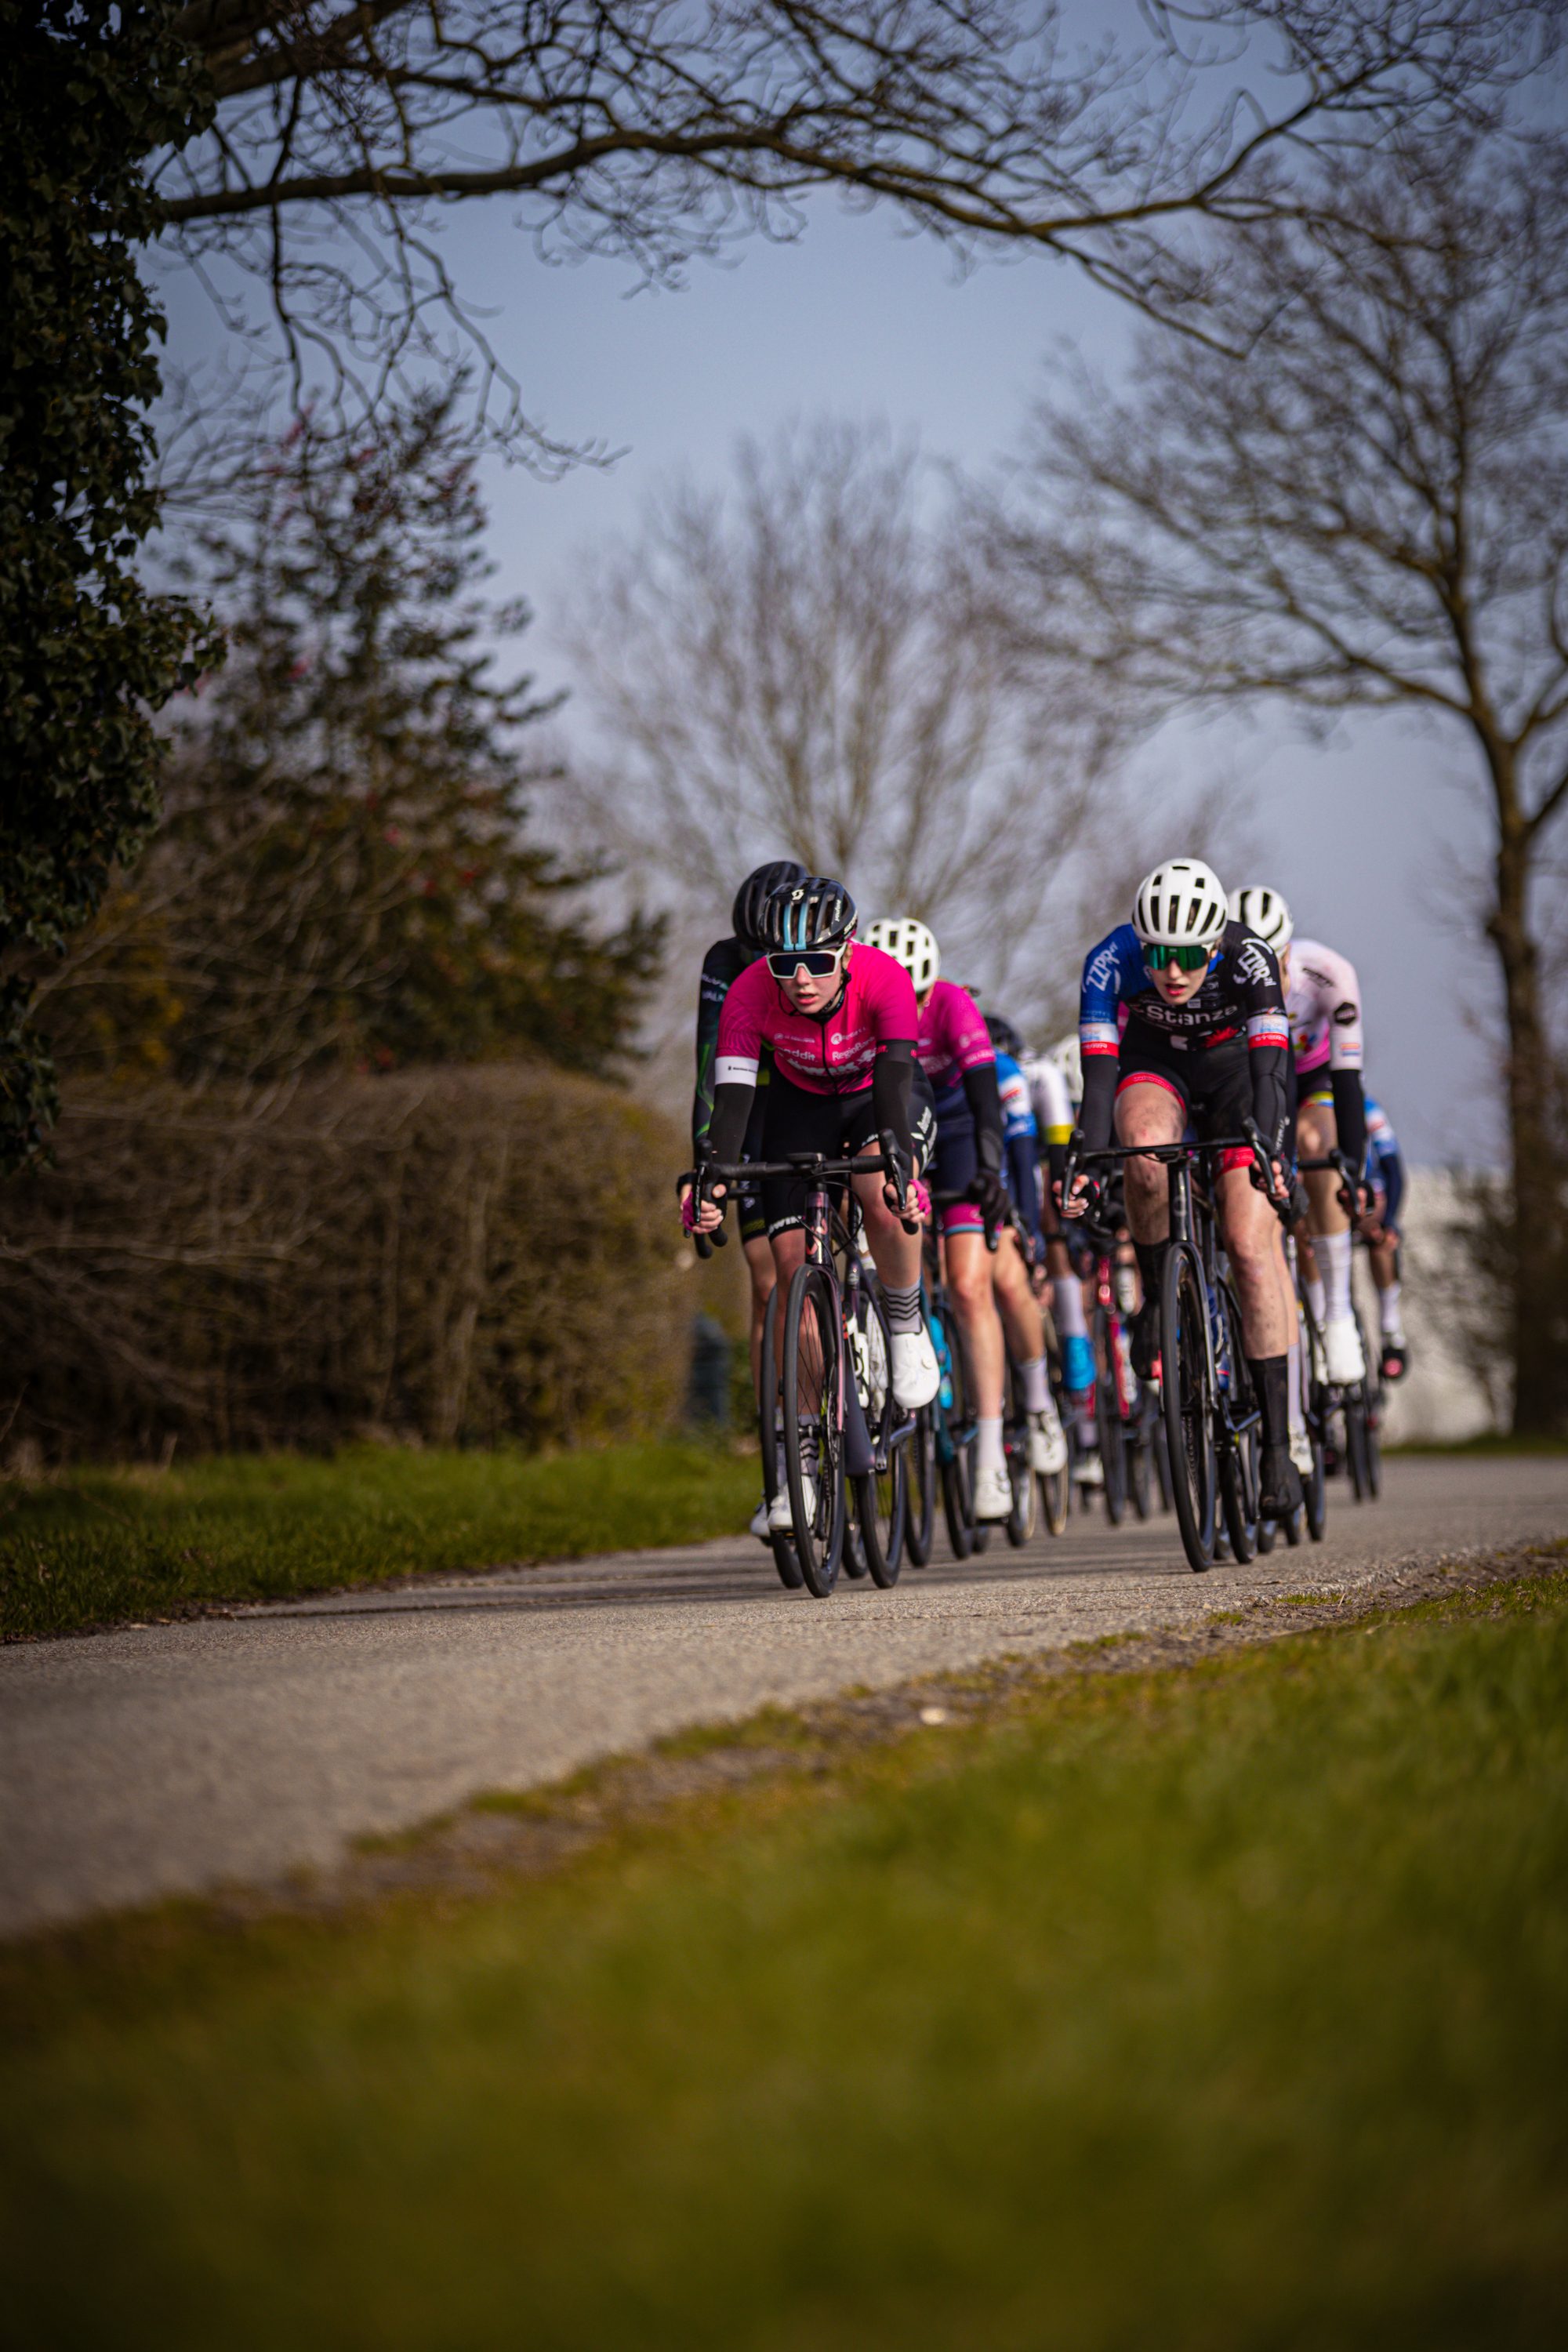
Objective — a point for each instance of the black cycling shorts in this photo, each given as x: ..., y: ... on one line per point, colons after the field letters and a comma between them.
x: 838, y: 1126
x: 957, y: 1161
x: 1214, y: 1088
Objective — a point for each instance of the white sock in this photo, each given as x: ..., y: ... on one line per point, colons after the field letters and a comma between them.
x: 989, y: 1451
x: 1066, y: 1307
x: 1293, y: 1385
x: 1313, y: 1292
x: 1036, y: 1395
x: 1388, y: 1308
x: 1332, y: 1252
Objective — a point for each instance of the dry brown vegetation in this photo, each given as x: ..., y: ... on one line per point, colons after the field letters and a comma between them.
x: 450, y: 1255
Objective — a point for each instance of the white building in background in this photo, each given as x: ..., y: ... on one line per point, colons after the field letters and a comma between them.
x: 1440, y: 1397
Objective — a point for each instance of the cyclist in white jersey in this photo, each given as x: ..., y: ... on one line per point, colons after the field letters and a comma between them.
x: 1322, y: 1003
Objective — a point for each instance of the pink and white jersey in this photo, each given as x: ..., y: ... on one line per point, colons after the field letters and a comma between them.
x: 1322, y: 1005
x: 824, y: 1054
x: 954, y: 1037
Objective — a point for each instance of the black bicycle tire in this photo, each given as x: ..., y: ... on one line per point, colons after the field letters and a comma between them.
x: 783, y: 1545
x: 957, y: 1487
x: 1019, y: 1522
x: 1355, y: 1443
x: 1140, y: 1475
x: 884, y: 1554
x: 818, y: 1542
x: 1188, y: 1407
x: 919, y: 1477
x: 1235, y: 1461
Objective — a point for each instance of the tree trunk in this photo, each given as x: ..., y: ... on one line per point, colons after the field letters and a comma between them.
x: 1536, y: 1238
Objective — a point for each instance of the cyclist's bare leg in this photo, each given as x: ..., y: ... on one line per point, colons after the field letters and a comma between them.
x: 895, y: 1254
x: 760, y: 1266
x: 1318, y: 1135
x: 1148, y: 1114
x: 969, y: 1279
x: 1016, y: 1300
x: 1251, y: 1235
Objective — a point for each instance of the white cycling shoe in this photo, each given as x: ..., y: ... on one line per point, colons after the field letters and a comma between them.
x: 993, y: 1495
x: 759, y: 1526
x: 781, y: 1519
x: 1047, y: 1443
x: 1342, y: 1352
x: 915, y: 1375
x: 1302, y: 1451
x: 1090, y: 1471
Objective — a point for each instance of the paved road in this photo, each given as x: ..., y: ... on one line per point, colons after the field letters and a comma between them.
x: 171, y: 1759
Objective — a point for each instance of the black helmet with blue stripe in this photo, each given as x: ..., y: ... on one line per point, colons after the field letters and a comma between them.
x: 753, y: 895
x: 811, y: 913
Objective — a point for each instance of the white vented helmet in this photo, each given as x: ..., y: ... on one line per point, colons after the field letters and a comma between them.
x: 909, y: 943
x: 1067, y: 1055
x: 1181, y: 905
x: 1264, y: 912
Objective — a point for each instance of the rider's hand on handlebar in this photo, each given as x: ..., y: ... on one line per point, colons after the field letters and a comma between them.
x: 706, y: 1219
x: 1084, y: 1193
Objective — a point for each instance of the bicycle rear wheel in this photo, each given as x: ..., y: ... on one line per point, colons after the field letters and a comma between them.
x: 920, y: 1489
x: 769, y: 1407
x: 1188, y: 1405
x: 814, y: 1427
x: 880, y: 1500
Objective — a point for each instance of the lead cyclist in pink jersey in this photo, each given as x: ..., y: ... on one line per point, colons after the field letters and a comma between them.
x: 841, y: 1019
x: 1322, y: 1005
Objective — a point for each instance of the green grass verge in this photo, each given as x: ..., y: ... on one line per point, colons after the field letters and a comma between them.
x: 97, y: 1545
x: 1213, y: 2008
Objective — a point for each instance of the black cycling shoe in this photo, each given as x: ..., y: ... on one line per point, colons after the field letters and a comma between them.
x: 1146, y: 1339
x: 1278, y: 1483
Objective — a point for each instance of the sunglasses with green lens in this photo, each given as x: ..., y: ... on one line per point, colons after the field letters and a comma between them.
x: 1186, y: 959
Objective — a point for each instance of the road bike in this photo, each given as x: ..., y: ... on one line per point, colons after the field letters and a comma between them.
x: 1349, y: 1412
x: 1207, y: 1396
x: 1126, y: 1408
x: 831, y: 1396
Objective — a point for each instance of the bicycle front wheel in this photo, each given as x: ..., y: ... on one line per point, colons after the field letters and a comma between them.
x: 880, y: 1500
x: 1188, y: 1406
x: 769, y: 1407
x: 920, y: 1489
x: 1238, y: 1467
x: 814, y: 1427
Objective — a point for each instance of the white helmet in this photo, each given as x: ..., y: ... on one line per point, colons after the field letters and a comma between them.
x: 1181, y: 905
x: 1264, y: 912
x: 1067, y: 1055
x: 909, y: 943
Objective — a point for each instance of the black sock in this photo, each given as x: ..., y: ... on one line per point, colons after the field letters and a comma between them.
x: 1270, y: 1383
x: 1150, y: 1256
x: 903, y: 1307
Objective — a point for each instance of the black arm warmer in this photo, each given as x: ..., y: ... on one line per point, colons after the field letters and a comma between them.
x: 1097, y: 1108
x: 985, y: 1102
x: 892, y: 1075
x: 1393, y: 1187
x: 1268, y: 1100
x: 1022, y: 1161
x: 727, y: 1128
x: 1349, y: 1114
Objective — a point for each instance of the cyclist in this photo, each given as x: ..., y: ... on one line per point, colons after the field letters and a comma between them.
x: 958, y: 1057
x: 1205, y: 1042
x: 1048, y: 1442
x: 722, y: 965
x: 1055, y: 1089
x: 1322, y: 999
x: 1379, y: 1230
x: 840, y: 1018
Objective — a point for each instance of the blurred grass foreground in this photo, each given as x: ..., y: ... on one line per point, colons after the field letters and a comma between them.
x: 1219, y: 2009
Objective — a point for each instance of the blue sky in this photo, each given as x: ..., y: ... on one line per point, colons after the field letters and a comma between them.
x: 860, y: 318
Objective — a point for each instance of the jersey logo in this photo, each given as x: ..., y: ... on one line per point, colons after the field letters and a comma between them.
x: 1252, y: 964
x: 1344, y: 1016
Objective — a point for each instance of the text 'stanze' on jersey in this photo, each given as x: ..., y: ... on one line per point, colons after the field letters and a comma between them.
x: 1240, y: 996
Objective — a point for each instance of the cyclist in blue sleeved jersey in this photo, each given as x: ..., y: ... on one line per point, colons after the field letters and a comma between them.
x: 1385, y: 1172
x: 1019, y: 1133
x: 1182, y: 1021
